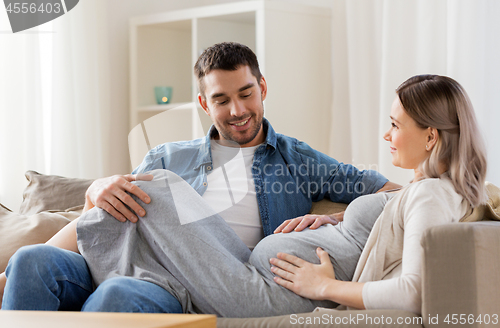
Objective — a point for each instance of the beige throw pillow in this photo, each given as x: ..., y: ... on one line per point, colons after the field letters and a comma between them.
x: 17, y: 230
x: 52, y: 193
x: 325, y: 206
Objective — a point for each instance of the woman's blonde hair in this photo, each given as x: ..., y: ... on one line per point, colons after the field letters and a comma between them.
x: 441, y: 102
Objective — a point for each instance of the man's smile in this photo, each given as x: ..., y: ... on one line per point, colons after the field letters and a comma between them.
x: 241, y: 125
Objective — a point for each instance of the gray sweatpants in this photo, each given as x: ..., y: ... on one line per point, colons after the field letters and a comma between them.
x: 187, y: 249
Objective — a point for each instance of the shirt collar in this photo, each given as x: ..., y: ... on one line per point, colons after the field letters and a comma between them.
x: 205, y: 155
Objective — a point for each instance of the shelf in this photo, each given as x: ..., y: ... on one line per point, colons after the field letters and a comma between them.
x: 163, y: 58
x: 292, y: 43
x: 161, y: 108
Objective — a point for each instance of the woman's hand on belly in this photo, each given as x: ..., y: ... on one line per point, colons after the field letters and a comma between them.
x: 313, y: 221
x: 304, y: 278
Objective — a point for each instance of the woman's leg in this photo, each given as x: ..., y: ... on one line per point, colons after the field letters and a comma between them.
x: 125, y: 294
x: 42, y: 277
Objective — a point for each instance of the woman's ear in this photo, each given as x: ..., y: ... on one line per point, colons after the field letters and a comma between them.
x: 432, y: 138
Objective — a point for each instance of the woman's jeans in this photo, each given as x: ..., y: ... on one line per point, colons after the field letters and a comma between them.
x: 42, y: 277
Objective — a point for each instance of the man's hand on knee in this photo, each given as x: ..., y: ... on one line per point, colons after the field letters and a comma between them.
x: 111, y: 195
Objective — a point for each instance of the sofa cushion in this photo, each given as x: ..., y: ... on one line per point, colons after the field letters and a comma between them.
x: 326, y: 206
x: 52, y: 193
x: 488, y: 211
x: 17, y: 230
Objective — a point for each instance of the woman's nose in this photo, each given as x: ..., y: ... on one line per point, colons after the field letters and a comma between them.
x: 387, y: 135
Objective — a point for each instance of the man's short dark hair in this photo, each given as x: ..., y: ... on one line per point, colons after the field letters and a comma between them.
x: 227, y: 56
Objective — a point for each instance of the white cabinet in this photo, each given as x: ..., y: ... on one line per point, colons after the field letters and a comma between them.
x: 292, y: 43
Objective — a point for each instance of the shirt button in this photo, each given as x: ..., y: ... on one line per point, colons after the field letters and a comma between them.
x: 209, y: 168
x: 204, y: 184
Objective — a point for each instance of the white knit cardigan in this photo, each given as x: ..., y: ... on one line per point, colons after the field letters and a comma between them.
x: 391, y: 262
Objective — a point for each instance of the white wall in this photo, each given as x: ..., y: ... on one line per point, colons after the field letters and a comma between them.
x: 119, y: 13
x: 379, y: 44
x: 121, y: 10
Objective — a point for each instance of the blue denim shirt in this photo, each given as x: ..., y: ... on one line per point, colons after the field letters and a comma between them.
x: 288, y: 174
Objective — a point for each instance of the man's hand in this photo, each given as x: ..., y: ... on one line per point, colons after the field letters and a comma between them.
x: 312, y: 221
x: 110, y: 194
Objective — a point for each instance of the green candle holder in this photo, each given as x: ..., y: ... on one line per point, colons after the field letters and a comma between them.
x: 163, y: 95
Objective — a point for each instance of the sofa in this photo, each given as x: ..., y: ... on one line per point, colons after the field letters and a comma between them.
x: 461, y: 269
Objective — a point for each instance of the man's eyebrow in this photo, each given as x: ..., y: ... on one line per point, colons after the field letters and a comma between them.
x: 248, y: 86
x: 216, y: 95
x: 243, y: 88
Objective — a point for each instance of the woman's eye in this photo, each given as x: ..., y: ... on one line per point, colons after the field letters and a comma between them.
x: 393, y: 125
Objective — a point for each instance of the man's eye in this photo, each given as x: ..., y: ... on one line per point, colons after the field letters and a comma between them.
x: 247, y: 95
x: 222, y: 102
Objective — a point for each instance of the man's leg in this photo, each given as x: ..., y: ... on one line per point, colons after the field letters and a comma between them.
x: 42, y: 277
x: 202, y: 262
x: 125, y: 294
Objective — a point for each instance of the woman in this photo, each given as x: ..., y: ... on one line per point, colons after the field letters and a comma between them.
x: 433, y: 132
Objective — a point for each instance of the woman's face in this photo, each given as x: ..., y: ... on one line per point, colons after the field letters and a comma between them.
x: 408, y: 141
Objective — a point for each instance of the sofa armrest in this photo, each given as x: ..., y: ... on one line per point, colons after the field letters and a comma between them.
x: 461, y: 272
x: 330, y: 318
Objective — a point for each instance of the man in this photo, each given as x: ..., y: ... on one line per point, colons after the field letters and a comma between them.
x: 283, y: 177
x: 232, y: 90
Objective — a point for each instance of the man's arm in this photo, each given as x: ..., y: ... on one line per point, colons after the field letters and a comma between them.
x: 389, y: 186
x: 111, y: 195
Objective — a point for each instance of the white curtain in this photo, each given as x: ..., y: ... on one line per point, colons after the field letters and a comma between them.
x: 378, y: 44
x: 54, y: 99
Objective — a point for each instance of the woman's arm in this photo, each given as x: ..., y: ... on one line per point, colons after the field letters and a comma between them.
x: 427, y: 206
x: 430, y: 203
x: 316, y: 281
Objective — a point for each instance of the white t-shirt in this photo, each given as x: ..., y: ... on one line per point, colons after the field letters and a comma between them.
x: 231, y: 191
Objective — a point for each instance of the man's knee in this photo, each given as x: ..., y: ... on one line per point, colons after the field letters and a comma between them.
x: 123, y: 294
x: 117, y: 287
x: 30, y: 257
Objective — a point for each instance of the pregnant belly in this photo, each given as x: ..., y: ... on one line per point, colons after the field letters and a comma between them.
x: 344, y: 253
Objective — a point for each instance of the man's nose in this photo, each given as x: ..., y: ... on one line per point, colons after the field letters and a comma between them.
x: 238, y: 109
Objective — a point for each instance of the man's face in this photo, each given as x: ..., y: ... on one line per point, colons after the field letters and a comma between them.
x: 233, y: 100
